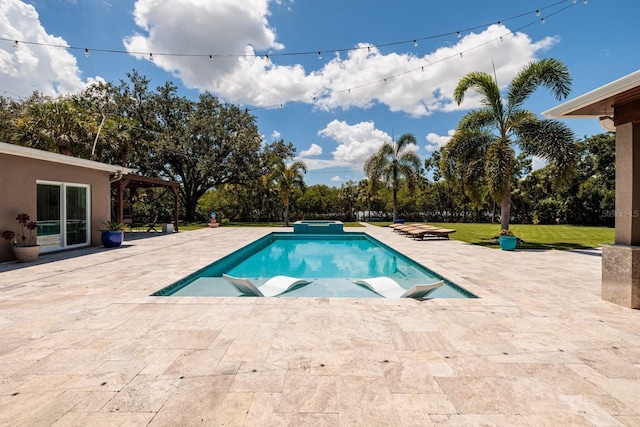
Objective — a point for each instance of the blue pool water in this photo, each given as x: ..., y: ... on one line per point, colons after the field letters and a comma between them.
x: 331, y: 262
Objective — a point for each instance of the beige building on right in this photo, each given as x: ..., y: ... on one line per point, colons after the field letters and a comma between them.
x: 617, y: 106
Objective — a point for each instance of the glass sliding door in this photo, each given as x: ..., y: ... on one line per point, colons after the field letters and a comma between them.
x: 63, y: 215
x: 48, y: 216
x: 76, y: 215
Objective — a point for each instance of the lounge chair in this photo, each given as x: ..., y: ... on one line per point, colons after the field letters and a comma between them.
x: 401, y: 227
x: 389, y: 288
x: 427, y: 230
x: 275, y: 286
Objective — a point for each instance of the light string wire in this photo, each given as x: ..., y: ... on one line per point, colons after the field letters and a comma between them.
x: 87, y: 50
x: 537, y: 12
x: 428, y: 64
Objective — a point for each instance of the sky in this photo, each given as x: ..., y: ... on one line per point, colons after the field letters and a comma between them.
x: 337, y: 78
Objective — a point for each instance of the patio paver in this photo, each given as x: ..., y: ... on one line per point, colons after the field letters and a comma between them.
x: 83, y: 343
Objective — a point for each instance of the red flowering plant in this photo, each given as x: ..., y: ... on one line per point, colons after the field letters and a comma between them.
x: 21, y: 239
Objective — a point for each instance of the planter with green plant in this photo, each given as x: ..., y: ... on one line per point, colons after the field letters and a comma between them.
x: 508, y: 241
x: 112, y: 234
x: 25, y: 247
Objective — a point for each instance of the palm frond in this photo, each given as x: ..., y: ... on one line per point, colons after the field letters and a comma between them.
x: 481, y: 118
x: 550, y: 140
x: 549, y: 72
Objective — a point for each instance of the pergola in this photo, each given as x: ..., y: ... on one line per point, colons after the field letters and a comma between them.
x: 617, y: 106
x: 137, y: 181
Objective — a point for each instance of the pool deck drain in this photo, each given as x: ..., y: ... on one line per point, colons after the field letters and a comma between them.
x: 83, y: 343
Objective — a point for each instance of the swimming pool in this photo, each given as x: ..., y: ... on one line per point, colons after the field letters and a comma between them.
x: 332, y: 262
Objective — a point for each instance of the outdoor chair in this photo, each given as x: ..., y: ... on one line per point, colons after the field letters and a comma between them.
x: 151, y: 226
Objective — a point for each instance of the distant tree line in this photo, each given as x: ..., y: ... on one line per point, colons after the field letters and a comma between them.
x: 215, y: 151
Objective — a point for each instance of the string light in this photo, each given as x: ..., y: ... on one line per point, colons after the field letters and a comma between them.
x: 415, y: 43
x: 414, y: 40
x: 319, y: 55
x: 368, y: 47
x: 542, y: 20
x: 15, y: 44
x: 86, y: 53
x: 537, y: 13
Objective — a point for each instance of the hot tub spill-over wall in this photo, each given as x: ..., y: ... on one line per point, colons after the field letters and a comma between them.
x: 318, y: 227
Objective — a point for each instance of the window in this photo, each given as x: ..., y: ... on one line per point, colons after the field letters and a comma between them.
x: 62, y: 215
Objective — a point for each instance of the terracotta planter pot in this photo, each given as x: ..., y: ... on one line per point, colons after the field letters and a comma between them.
x: 26, y: 253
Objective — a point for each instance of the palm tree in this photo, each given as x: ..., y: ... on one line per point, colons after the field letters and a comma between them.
x: 485, y: 139
x: 287, y: 178
x: 392, y: 162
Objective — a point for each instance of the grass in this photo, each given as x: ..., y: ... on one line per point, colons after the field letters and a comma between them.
x: 531, y: 236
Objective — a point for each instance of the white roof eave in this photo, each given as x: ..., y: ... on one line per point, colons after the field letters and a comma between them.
x: 604, y: 92
x: 32, y: 153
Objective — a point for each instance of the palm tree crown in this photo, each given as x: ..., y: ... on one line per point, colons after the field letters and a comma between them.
x: 483, y: 144
x: 392, y: 162
x: 288, y: 178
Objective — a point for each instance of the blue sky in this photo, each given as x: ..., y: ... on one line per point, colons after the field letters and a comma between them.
x: 371, y: 82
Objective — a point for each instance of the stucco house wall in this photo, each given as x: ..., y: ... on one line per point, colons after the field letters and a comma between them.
x: 20, y: 170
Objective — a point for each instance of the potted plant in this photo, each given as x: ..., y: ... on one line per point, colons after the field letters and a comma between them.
x: 25, y: 248
x: 507, y: 239
x: 112, y: 233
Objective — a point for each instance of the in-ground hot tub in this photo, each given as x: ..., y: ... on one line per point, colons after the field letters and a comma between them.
x: 318, y: 227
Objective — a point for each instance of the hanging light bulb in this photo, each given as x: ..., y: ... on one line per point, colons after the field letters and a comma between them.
x: 542, y: 20
x: 210, y: 58
x: 501, y: 39
x: 266, y: 57
x: 537, y: 13
x: 319, y: 55
x: 460, y: 54
x: 415, y: 43
x: 15, y: 44
x: 586, y: 1
x: 151, y: 57
x: 86, y: 52
x: 458, y: 34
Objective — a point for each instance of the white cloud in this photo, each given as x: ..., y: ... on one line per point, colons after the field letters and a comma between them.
x: 313, y: 150
x: 436, y: 141
x: 336, y: 178
x: 51, y: 71
x: 538, y: 163
x: 355, y: 142
x: 416, y: 85
x: 275, y: 135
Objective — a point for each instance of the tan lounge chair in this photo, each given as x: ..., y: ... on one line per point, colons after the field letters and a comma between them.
x: 421, y: 232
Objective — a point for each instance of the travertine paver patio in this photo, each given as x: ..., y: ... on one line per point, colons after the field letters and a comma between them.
x: 82, y: 343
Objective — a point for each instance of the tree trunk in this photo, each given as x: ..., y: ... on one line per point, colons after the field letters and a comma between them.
x: 505, y: 211
x: 286, y: 215
x: 395, y: 204
x: 190, y: 205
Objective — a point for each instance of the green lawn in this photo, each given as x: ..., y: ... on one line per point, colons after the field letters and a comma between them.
x: 531, y: 236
